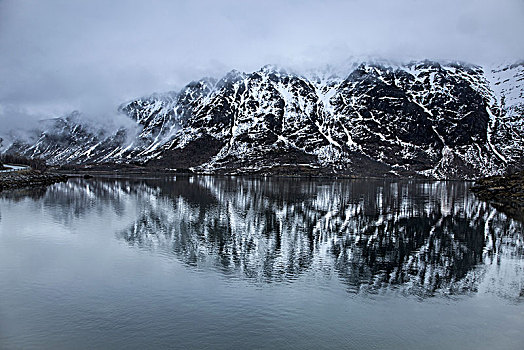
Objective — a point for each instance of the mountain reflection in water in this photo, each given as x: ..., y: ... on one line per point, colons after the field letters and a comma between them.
x: 422, y: 238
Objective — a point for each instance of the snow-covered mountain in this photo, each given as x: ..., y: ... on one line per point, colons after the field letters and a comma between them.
x: 440, y: 120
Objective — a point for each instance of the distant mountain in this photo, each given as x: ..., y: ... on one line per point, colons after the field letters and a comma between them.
x: 430, y: 119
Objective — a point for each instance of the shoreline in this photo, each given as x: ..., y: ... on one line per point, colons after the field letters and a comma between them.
x: 118, y: 170
x: 29, y: 178
x: 504, y: 192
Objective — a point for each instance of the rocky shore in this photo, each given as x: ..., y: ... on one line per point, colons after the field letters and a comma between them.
x: 504, y: 192
x: 28, y: 178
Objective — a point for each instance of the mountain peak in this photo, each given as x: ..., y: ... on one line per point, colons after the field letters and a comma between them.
x: 422, y: 118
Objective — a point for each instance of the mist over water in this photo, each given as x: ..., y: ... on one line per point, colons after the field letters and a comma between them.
x: 215, y: 261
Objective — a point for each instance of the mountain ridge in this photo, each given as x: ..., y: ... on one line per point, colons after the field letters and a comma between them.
x: 421, y: 119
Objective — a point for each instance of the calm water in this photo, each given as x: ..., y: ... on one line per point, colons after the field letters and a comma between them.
x: 210, y: 262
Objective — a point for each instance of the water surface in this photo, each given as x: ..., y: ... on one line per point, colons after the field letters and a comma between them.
x: 218, y: 262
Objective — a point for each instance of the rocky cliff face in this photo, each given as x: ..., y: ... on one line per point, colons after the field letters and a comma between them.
x: 429, y: 119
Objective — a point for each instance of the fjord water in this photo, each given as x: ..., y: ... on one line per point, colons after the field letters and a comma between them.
x: 225, y: 262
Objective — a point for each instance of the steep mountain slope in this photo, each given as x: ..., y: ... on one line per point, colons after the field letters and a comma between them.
x: 507, y: 125
x: 431, y: 119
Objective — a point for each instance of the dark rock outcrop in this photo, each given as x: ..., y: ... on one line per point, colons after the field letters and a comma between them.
x: 506, y: 193
x: 28, y: 178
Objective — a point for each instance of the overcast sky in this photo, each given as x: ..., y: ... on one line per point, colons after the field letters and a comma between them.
x: 58, y: 56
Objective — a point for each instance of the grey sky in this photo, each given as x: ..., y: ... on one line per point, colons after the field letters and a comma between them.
x: 57, y: 56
